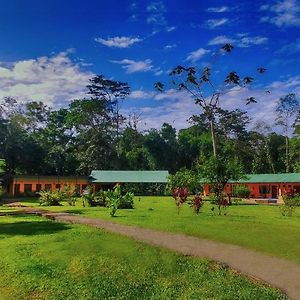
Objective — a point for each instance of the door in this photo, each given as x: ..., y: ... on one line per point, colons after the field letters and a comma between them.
x: 274, y: 191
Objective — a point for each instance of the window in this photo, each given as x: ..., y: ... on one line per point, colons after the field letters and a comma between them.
x: 38, y: 187
x: 48, y: 187
x: 27, y: 188
x: 57, y: 186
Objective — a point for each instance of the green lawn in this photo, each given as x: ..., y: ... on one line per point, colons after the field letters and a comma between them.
x: 41, y: 259
x: 259, y: 227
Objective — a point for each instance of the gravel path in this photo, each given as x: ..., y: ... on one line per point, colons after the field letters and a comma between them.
x: 279, y: 273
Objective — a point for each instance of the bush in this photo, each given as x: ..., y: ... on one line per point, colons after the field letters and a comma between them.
x: 114, y: 200
x: 180, y: 196
x: 48, y: 198
x: 197, y: 203
x: 290, y: 204
x: 126, y: 201
x: 241, y: 191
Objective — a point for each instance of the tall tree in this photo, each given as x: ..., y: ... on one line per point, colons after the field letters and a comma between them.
x: 287, y: 110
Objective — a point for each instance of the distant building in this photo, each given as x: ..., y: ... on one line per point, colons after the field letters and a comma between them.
x: 31, y: 184
x: 265, y: 186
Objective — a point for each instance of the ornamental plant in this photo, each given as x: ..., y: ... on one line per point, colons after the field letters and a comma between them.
x: 180, y: 196
x: 197, y: 203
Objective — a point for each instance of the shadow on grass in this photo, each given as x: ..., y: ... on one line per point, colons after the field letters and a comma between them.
x: 31, y: 227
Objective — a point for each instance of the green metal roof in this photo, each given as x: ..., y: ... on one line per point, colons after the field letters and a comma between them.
x: 128, y: 176
x: 270, y: 178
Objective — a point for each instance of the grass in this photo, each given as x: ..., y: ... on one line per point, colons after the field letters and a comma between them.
x: 258, y: 227
x: 41, y: 259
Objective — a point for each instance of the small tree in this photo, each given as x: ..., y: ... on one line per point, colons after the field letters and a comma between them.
x: 180, y: 196
x: 217, y: 171
x: 184, y: 178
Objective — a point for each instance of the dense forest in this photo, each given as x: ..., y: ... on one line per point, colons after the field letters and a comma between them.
x: 92, y: 134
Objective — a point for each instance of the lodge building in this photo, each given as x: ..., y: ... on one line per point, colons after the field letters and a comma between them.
x: 29, y: 185
x: 265, y: 186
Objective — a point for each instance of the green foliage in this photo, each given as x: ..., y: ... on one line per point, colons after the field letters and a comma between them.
x: 2, y: 166
x: 290, y: 204
x: 2, y: 192
x: 184, y: 178
x: 115, y: 199
x: 48, y: 198
x: 241, y: 191
x: 217, y: 171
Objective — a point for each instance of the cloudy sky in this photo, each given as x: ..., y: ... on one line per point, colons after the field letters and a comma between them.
x: 49, y: 50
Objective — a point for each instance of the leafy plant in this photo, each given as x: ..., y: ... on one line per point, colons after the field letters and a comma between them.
x: 197, y: 203
x: 126, y: 201
x: 69, y: 195
x: 180, y: 196
x: 291, y: 201
x: 48, y: 198
x: 184, y: 178
x: 113, y: 198
x: 241, y: 191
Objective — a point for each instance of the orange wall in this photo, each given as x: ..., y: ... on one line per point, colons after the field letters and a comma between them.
x: 43, y: 180
x: 280, y: 189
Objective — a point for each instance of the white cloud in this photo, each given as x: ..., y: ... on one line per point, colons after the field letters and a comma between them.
x: 220, y: 9
x: 221, y: 40
x: 197, y: 54
x: 132, y: 66
x: 171, y: 28
x: 284, y: 13
x: 54, y: 80
x: 176, y: 107
x: 214, y: 23
x: 156, y: 12
x: 241, y: 40
x: 250, y: 41
x: 118, y: 42
x: 170, y: 46
x: 140, y: 94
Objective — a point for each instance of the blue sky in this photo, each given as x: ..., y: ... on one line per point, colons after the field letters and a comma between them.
x: 49, y: 49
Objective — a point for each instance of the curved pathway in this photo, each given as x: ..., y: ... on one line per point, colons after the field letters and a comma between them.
x: 280, y: 273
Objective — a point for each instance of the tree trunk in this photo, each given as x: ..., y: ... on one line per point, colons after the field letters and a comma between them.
x: 213, y: 137
x: 287, y: 160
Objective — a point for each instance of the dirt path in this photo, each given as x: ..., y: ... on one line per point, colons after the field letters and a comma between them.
x: 279, y: 273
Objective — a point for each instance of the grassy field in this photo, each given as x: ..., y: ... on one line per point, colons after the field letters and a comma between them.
x: 41, y: 259
x: 259, y: 227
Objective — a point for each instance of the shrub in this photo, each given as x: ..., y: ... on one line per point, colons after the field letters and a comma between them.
x: 291, y: 201
x: 48, y: 198
x: 126, y: 201
x: 241, y: 191
x: 69, y: 195
x: 114, y: 200
x: 180, y: 196
x: 197, y: 203
x: 184, y: 178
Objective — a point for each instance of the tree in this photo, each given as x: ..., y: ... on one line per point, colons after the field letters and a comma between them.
x: 205, y: 92
x: 217, y: 171
x: 287, y: 109
x: 110, y: 92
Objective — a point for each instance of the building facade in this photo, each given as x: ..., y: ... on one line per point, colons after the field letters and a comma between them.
x: 27, y: 185
x: 264, y: 186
